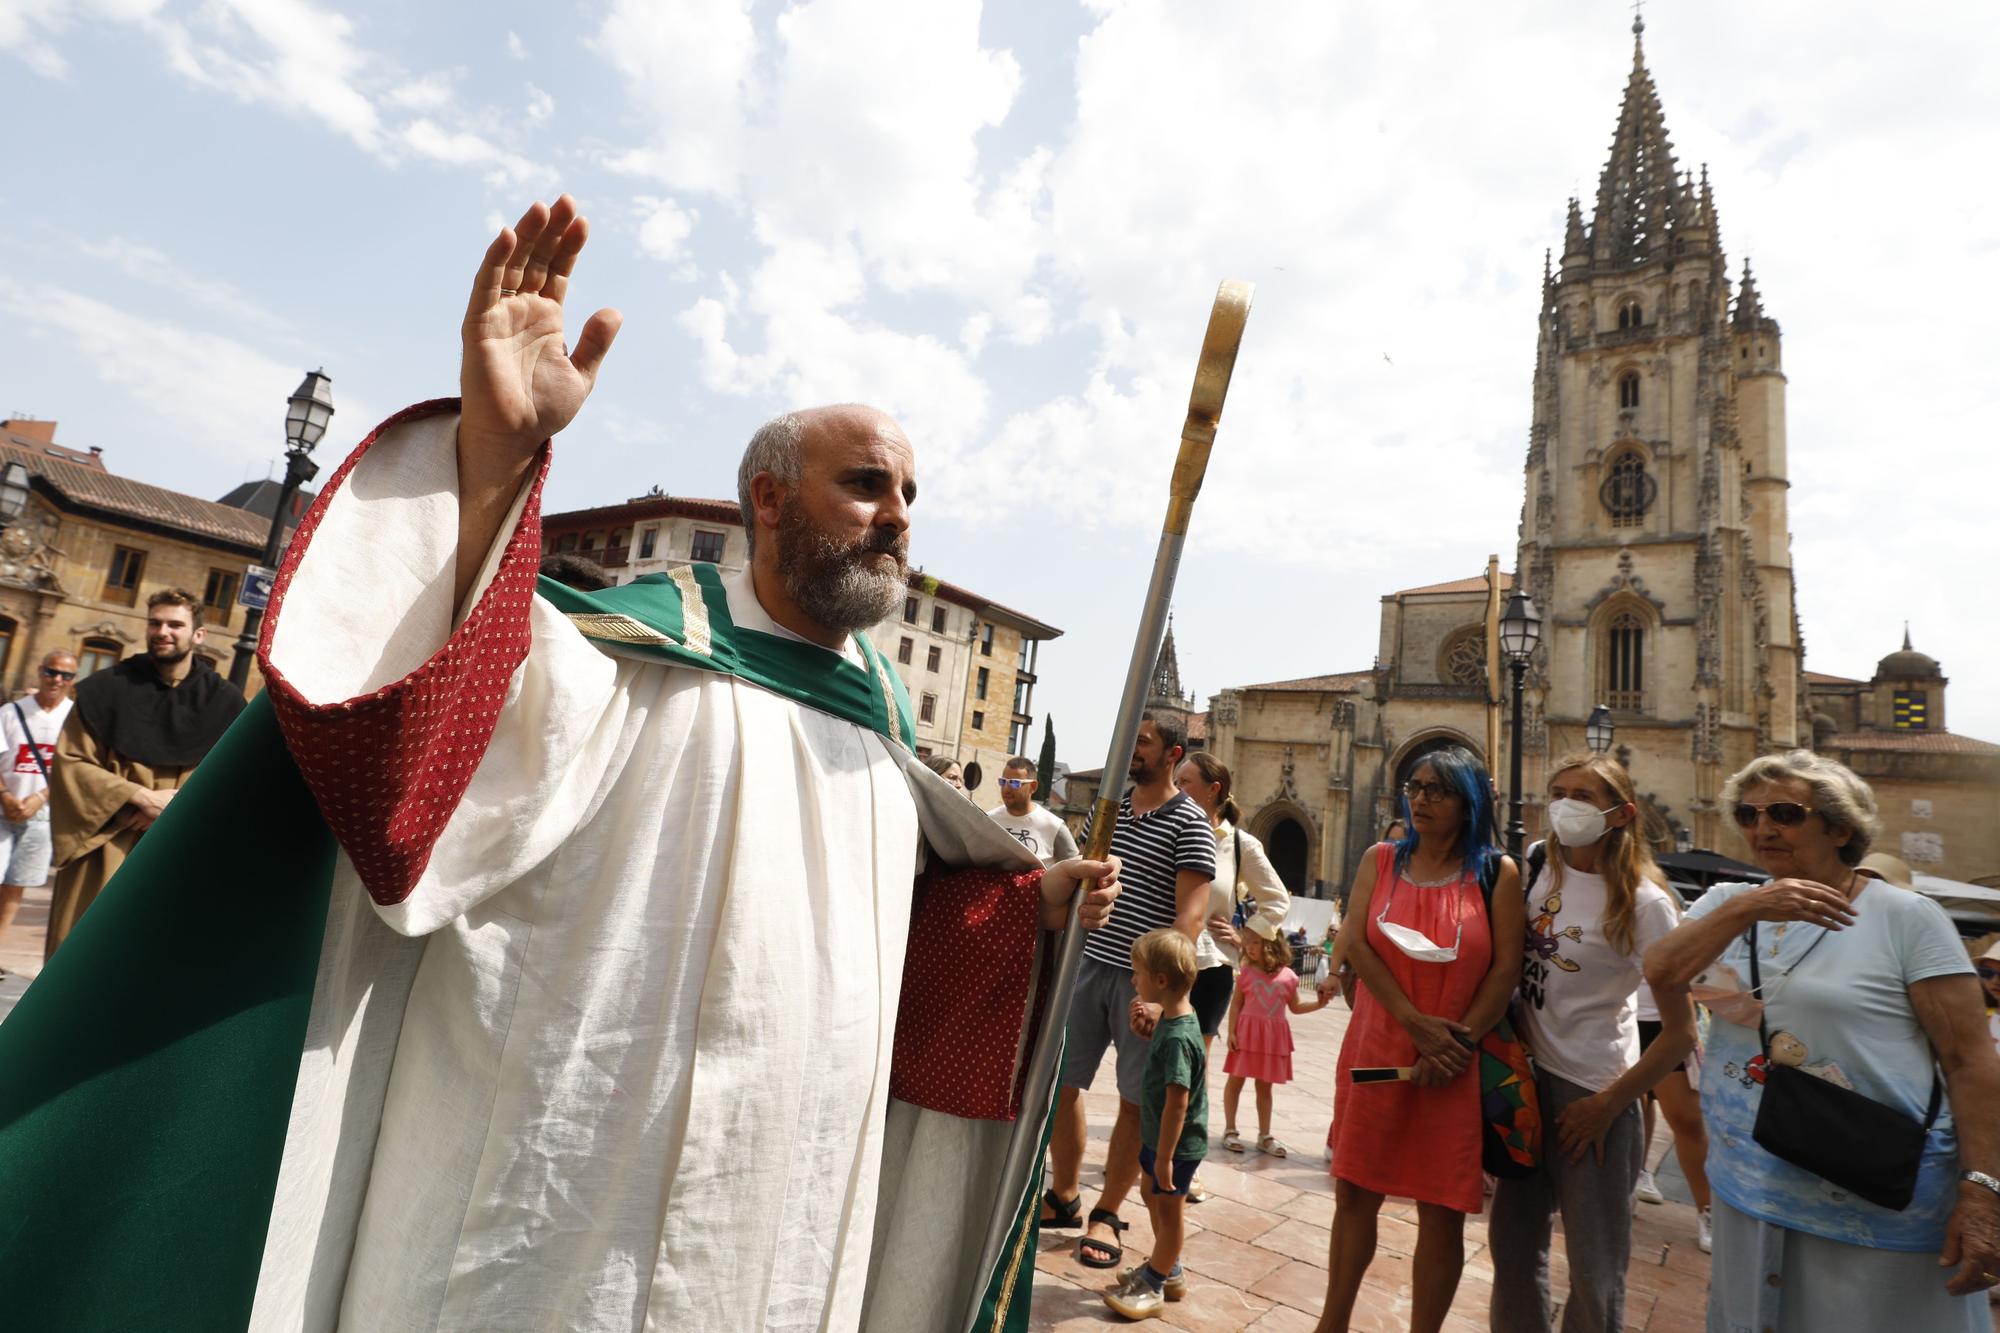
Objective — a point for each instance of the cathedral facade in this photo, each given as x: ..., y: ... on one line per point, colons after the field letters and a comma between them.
x: 1653, y: 540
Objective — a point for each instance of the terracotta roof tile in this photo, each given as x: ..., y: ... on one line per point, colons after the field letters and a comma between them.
x: 1821, y: 678
x: 1922, y: 742
x: 95, y: 488
x: 1197, y: 726
x: 1335, y: 684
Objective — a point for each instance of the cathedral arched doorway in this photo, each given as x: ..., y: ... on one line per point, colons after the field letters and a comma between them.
x: 1287, y: 845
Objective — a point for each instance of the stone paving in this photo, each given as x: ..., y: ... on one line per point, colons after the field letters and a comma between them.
x: 1256, y: 1251
x: 21, y: 947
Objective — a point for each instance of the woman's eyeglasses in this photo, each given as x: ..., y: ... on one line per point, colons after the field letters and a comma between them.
x: 1417, y: 789
x: 1785, y: 814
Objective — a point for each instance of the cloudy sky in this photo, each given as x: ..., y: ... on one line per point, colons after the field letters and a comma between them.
x: 1005, y: 224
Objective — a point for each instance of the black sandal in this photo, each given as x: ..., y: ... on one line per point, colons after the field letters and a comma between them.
x: 1112, y: 1247
x: 1068, y: 1212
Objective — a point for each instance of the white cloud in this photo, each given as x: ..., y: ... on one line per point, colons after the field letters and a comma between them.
x: 692, y: 109
x: 516, y: 48
x: 541, y: 106
x: 664, y: 227
x: 148, y: 264
x: 464, y: 148
x: 208, y: 395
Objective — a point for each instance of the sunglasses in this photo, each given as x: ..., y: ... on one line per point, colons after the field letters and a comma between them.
x: 1988, y: 973
x: 1785, y: 814
x: 1014, y: 784
x: 1430, y: 791
x: 53, y: 674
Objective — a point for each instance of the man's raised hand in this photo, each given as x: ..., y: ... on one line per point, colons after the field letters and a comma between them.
x: 519, y: 381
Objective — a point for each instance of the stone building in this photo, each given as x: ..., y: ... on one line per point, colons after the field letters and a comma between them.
x: 1654, y: 541
x: 91, y: 546
x: 1939, y: 793
x: 969, y: 662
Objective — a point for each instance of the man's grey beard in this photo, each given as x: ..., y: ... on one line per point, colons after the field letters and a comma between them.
x: 838, y: 586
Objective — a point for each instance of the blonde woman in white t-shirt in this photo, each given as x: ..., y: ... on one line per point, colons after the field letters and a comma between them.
x: 1596, y: 904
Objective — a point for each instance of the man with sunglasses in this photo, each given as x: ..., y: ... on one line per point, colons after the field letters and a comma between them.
x: 1031, y: 825
x: 28, y: 730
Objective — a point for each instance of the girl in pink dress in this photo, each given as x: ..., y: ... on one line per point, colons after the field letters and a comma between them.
x: 1260, y: 1033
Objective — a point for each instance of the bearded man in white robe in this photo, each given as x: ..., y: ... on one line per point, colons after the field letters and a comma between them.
x: 605, y: 1032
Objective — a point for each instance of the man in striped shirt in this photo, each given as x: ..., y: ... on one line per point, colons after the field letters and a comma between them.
x: 1168, y: 853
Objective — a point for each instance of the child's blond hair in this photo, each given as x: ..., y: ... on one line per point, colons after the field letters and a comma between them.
x: 1169, y: 954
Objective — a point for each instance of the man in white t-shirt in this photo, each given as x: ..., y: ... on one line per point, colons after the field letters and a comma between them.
x: 28, y: 730
x: 1033, y: 826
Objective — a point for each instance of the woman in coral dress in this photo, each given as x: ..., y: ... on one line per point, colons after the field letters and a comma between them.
x: 1437, y: 966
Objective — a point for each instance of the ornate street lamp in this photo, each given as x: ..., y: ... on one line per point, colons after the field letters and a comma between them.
x: 307, y: 413
x: 13, y: 493
x: 1599, y: 731
x: 1520, y: 634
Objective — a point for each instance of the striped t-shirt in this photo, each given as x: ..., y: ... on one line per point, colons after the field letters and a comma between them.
x: 1152, y: 847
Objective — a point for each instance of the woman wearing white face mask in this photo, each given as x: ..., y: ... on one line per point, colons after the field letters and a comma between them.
x: 1436, y: 967
x: 1598, y: 902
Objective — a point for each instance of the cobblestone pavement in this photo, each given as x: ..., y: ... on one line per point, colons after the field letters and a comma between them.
x: 21, y: 947
x: 1256, y: 1252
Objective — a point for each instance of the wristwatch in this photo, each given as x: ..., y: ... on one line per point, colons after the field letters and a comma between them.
x: 1981, y: 1179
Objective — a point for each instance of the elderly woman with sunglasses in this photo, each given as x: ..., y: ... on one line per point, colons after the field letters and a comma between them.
x: 1824, y: 976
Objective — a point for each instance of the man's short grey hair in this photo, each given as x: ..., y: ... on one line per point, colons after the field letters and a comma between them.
x: 1838, y: 795
x: 774, y: 449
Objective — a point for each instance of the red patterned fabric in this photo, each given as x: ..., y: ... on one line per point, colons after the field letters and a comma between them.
x: 967, y: 983
x: 388, y: 768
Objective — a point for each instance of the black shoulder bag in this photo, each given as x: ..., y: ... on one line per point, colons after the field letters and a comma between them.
x: 1839, y: 1135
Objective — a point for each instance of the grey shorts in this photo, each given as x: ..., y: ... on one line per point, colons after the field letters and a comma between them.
x: 1100, y: 1015
x: 24, y: 850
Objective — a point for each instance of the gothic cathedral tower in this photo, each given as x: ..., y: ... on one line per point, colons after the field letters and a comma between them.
x: 1654, y: 537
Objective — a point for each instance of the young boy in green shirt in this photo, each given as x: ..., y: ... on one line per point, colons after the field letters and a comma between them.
x: 1173, y: 1120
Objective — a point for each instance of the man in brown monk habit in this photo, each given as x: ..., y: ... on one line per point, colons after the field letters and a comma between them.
x: 132, y: 741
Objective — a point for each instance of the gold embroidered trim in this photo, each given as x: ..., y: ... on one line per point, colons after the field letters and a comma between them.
x: 881, y: 675
x: 694, y: 612
x: 608, y: 625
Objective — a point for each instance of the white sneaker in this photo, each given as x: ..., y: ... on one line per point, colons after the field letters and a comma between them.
x: 1134, y: 1299
x: 1704, y: 1238
x: 1647, y: 1191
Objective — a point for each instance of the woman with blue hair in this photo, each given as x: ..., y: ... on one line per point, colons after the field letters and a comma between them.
x: 1433, y: 929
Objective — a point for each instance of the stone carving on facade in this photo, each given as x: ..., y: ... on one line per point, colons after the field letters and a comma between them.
x: 1534, y: 729
x: 1706, y: 743
x: 1625, y: 580
x: 1545, y: 502
x: 1462, y: 657
x: 1288, y: 787
x: 104, y: 629
x: 27, y: 556
x: 1222, y: 708
x: 1343, y: 715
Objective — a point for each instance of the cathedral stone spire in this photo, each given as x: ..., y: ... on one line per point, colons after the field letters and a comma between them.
x: 1750, y: 316
x: 1575, y: 242
x: 1167, y: 671
x: 1634, y: 193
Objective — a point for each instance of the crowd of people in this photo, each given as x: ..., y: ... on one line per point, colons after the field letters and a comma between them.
x: 1824, y: 1049
x: 91, y: 764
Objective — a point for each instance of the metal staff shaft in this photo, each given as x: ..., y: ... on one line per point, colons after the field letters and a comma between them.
x: 1024, y: 1143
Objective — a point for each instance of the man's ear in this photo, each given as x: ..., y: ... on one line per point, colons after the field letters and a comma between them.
x: 767, y: 498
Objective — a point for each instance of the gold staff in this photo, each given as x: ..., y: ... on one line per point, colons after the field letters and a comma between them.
x: 1024, y: 1145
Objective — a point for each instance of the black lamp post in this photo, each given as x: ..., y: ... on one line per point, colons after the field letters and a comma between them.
x: 1599, y: 730
x: 1520, y: 632
x: 306, y: 414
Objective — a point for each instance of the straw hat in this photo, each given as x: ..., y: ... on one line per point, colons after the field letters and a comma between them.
x: 1889, y: 869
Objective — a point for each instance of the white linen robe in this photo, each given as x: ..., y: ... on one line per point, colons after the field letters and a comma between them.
x: 652, y: 966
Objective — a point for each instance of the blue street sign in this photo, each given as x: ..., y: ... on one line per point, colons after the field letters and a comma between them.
x: 257, y: 582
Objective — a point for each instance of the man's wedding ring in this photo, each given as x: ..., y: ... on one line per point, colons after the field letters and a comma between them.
x: 509, y: 291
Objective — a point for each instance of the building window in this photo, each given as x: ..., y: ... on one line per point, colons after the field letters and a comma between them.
x: 1910, y: 712
x: 1628, y: 491
x: 905, y: 649
x: 934, y: 659
x: 927, y: 711
x: 566, y: 543
x: 937, y: 620
x: 1628, y: 389
x: 707, y: 547
x: 121, y: 582
x: 1021, y: 692
x: 648, y: 539
x: 219, y: 596
x: 95, y: 655
x: 1017, y: 739
x: 979, y: 721
x: 986, y: 640
x: 1631, y: 315
x: 909, y: 610
x: 1463, y: 660
x: 979, y: 686
x: 1625, y: 662
x: 1026, y: 661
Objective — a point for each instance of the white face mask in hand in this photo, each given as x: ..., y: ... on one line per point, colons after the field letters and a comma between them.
x: 1414, y: 942
x: 1577, y: 823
